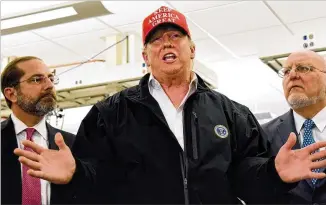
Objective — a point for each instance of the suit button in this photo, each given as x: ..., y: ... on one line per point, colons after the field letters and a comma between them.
x: 316, y: 204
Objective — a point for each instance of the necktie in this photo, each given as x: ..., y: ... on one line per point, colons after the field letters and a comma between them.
x: 31, y: 190
x: 308, y: 140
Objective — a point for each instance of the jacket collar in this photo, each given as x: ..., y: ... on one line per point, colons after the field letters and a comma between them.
x: 142, y: 92
x: 286, y: 126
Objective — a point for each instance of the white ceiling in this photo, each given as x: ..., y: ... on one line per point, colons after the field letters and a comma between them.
x: 246, y: 28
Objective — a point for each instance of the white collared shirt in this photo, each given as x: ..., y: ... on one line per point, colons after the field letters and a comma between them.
x: 318, y: 132
x: 40, y: 137
x: 173, y: 116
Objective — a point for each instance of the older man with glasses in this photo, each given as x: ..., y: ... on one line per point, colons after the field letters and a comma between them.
x: 304, y: 85
x: 28, y: 87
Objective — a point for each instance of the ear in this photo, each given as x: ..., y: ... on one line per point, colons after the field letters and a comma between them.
x: 192, y: 50
x: 145, y: 57
x: 11, y: 94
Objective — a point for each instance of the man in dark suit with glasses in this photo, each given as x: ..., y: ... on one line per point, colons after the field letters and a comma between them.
x: 28, y: 87
x: 304, y: 85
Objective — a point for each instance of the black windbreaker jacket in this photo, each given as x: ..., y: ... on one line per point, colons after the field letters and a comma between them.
x: 126, y: 154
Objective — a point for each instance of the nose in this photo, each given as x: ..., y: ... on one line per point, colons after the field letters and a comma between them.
x: 48, y: 84
x: 293, y: 74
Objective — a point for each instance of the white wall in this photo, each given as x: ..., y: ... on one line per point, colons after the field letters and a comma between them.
x: 250, y: 82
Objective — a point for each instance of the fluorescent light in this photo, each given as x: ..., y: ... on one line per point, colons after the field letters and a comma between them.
x: 9, y: 8
x: 38, y: 17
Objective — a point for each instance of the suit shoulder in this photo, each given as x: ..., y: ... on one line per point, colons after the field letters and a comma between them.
x: 272, y: 124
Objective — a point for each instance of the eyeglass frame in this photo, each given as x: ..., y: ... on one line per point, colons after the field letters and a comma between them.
x: 309, y: 68
x: 43, y: 78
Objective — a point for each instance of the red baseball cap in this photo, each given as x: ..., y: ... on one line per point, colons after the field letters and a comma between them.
x: 164, y: 15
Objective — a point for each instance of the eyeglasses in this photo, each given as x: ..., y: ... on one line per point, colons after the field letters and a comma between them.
x: 41, y: 79
x: 302, y: 69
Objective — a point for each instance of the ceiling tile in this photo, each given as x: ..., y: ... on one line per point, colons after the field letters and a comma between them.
x: 262, y: 42
x: 18, y: 39
x: 300, y: 10
x: 234, y: 18
x: 134, y: 12
x: 49, y: 52
x: 209, y: 51
x: 131, y: 28
x: 316, y: 27
x: 187, y: 6
x: 93, y: 42
x: 71, y: 28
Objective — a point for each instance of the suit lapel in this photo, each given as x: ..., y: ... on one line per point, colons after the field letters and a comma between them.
x: 11, y: 168
x: 51, y: 133
x: 287, y: 126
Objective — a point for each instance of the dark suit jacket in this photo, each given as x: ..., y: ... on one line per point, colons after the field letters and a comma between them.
x: 11, y: 183
x: 278, y: 131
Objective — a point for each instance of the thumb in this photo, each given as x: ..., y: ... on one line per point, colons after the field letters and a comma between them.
x: 291, y: 141
x: 59, y: 141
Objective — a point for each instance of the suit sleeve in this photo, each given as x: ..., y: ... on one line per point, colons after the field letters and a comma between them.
x: 91, y: 152
x: 254, y: 175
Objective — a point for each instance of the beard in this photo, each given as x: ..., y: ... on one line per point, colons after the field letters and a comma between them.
x: 39, y: 106
x: 300, y: 101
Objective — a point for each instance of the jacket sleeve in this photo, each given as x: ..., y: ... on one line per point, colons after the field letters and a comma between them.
x: 91, y: 150
x: 254, y: 176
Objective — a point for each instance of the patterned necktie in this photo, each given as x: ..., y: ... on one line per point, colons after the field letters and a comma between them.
x: 31, y: 190
x: 308, y: 140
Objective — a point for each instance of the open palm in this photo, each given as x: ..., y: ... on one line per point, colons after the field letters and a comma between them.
x: 296, y: 165
x: 56, y: 166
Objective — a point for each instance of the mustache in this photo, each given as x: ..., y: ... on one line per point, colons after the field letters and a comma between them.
x: 49, y: 94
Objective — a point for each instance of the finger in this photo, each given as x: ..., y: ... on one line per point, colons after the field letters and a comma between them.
x: 31, y: 164
x: 60, y: 142
x: 315, y: 146
x: 318, y: 155
x: 28, y: 154
x: 35, y: 147
x: 318, y: 164
x: 36, y: 173
x: 291, y: 141
x: 317, y: 175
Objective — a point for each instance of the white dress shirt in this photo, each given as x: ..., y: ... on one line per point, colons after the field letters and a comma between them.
x: 318, y: 132
x: 40, y: 137
x: 173, y: 116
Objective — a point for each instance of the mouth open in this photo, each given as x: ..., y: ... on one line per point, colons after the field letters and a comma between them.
x: 169, y: 57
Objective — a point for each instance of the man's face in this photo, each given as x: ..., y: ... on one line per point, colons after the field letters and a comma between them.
x: 304, y: 89
x: 36, y: 94
x: 169, y: 51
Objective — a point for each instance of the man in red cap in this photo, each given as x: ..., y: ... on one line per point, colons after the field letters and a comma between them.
x: 171, y: 139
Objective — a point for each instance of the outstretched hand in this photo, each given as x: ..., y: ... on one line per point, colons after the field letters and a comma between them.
x: 297, y: 165
x: 56, y: 166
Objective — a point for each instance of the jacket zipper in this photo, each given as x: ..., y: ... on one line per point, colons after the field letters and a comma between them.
x: 194, y: 136
x: 185, y: 158
x: 184, y: 169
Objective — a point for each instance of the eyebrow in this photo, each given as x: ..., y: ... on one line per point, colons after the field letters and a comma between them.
x: 40, y: 75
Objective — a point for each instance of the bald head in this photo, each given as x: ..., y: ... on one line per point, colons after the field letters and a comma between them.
x: 306, y: 56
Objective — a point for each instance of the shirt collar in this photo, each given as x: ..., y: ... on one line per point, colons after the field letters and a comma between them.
x: 319, y: 120
x: 152, y: 82
x: 298, y: 121
x: 20, y: 126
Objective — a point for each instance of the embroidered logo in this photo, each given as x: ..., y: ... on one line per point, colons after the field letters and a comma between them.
x: 221, y: 131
